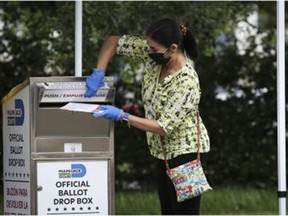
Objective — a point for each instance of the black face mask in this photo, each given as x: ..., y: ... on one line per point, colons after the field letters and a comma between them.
x: 159, y: 58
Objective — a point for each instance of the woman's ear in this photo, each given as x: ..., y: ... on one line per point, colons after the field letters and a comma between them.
x: 173, y: 47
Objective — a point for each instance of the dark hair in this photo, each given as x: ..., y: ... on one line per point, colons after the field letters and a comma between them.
x: 167, y: 31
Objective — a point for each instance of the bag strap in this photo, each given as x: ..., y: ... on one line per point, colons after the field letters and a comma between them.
x: 199, y: 143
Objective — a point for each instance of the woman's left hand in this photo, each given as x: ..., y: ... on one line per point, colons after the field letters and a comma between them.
x: 109, y: 112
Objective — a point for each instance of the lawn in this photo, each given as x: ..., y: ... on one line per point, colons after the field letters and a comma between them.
x: 220, y: 201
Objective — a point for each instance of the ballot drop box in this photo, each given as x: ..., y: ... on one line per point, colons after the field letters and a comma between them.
x: 57, y: 162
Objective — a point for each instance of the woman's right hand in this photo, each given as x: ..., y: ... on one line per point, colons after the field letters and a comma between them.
x: 94, y: 82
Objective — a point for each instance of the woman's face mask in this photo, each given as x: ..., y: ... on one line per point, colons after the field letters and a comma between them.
x: 159, y: 57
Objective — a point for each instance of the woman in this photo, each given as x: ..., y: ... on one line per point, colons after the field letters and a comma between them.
x: 170, y: 94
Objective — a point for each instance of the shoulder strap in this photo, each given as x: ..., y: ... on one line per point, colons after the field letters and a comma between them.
x: 199, y: 143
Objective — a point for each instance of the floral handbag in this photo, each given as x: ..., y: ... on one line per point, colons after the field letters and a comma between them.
x: 189, y: 179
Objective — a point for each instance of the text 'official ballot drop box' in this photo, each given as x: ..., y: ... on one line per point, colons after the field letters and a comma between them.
x: 55, y: 161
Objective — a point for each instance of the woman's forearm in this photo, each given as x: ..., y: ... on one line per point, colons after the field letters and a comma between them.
x: 107, y: 51
x: 146, y: 125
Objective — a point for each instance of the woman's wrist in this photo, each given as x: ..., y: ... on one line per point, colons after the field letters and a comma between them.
x: 100, y: 67
x: 125, y: 119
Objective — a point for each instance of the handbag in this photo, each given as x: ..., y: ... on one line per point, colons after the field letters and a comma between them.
x: 188, y: 179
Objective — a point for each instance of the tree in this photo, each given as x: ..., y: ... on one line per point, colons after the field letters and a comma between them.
x: 37, y: 39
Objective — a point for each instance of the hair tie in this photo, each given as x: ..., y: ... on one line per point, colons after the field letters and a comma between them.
x: 183, y: 29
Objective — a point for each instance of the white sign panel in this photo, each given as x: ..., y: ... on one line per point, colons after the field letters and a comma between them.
x: 63, y: 85
x: 70, y: 91
x: 72, y: 147
x: 16, y: 151
x: 50, y: 96
x: 74, y: 187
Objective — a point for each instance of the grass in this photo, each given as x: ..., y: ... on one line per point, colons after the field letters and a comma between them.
x: 137, y: 203
x: 240, y: 201
x: 220, y: 201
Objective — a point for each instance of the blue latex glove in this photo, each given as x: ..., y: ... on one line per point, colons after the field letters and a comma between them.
x: 109, y: 112
x: 94, y: 82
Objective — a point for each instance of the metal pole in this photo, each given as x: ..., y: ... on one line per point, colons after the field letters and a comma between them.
x: 78, y: 38
x: 281, y: 118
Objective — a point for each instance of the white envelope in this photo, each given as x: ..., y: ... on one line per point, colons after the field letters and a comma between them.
x: 82, y: 107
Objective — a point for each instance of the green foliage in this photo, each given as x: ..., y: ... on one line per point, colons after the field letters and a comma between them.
x: 37, y: 39
x: 242, y: 127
